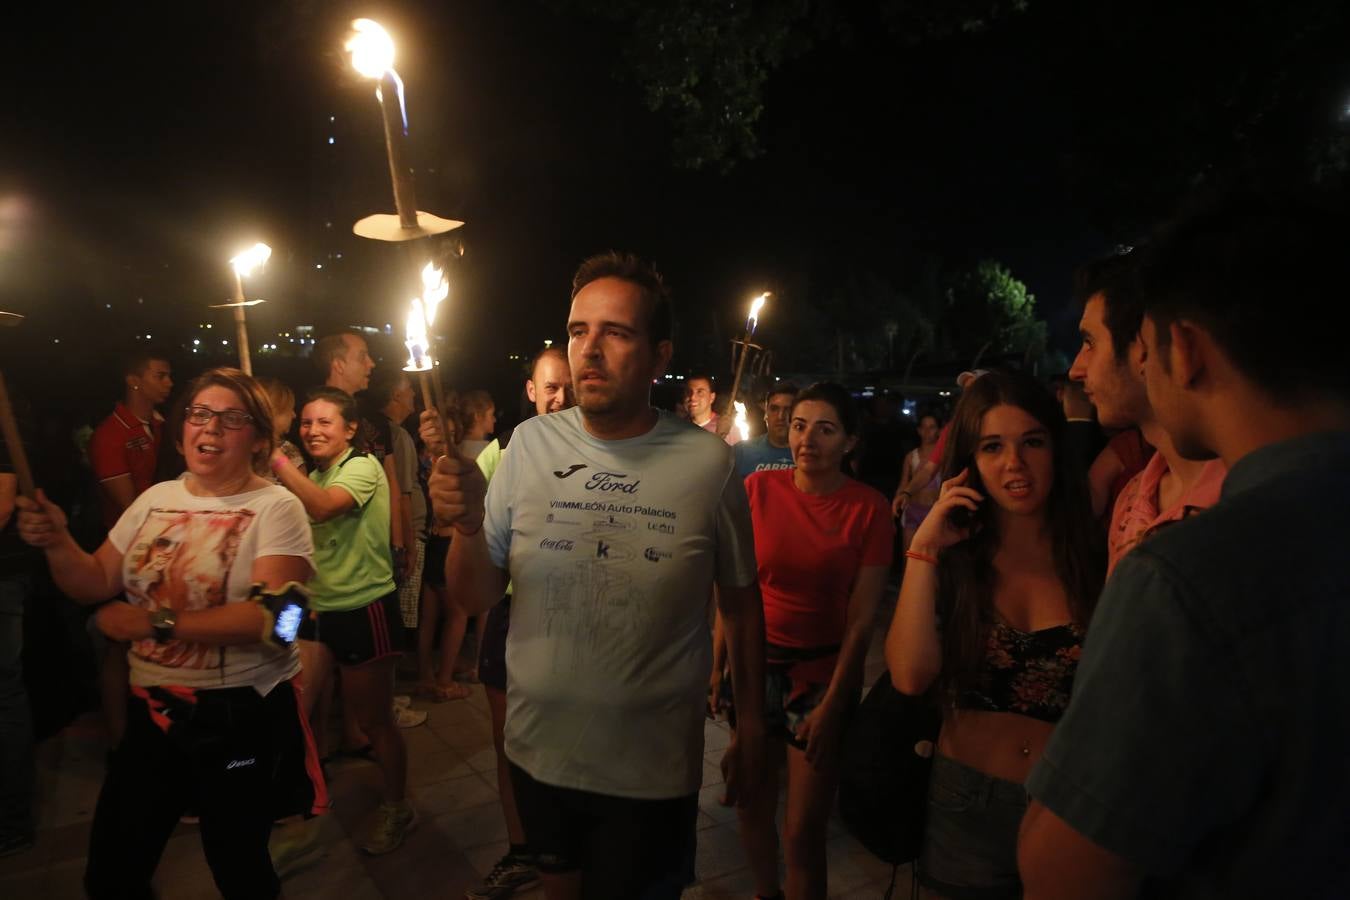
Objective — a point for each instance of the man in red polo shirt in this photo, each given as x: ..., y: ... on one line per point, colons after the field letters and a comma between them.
x: 122, y: 453
x: 123, y: 448
x: 1110, y: 366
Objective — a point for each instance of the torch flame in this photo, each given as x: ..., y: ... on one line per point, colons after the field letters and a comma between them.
x: 416, y: 342
x: 434, y: 289
x: 742, y: 424
x: 371, y: 47
x: 250, y: 259
x: 753, y: 321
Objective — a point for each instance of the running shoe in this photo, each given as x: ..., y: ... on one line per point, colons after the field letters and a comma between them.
x: 510, y: 874
x: 295, y: 847
x: 393, y: 821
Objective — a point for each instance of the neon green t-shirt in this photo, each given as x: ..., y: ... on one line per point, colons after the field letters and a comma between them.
x: 490, y: 459
x: 352, y: 567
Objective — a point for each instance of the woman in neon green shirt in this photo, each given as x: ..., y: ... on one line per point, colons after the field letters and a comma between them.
x: 355, y: 622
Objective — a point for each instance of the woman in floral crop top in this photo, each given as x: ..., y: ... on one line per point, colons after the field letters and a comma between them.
x: 999, y: 586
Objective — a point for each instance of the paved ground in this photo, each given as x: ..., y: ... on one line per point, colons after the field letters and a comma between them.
x: 452, y: 775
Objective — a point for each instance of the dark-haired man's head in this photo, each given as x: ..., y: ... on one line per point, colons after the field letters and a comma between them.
x: 641, y: 274
x: 549, y: 386
x: 618, y: 339
x: 1107, y: 364
x: 778, y: 412
x: 147, y: 375
x: 699, y: 395
x: 1237, y: 337
x: 344, y: 362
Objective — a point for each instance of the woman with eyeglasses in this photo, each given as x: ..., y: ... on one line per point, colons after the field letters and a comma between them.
x: 209, y: 565
x: 355, y: 621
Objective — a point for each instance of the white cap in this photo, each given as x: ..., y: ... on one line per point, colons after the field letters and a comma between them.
x: 965, y: 378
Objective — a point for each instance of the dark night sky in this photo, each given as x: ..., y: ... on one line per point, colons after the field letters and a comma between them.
x: 143, y: 146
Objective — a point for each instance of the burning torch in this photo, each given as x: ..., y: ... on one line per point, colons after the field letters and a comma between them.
x: 751, y: 323
x: 421, y: 357
x: 243, y: 265
x: 372, y: 51
x: 742, y: 423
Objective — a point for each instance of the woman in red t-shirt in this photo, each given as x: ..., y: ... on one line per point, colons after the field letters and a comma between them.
x: 823, y: 544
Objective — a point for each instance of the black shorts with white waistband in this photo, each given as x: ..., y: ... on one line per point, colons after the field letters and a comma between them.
x: 624, y: 848
x: 358, y: 636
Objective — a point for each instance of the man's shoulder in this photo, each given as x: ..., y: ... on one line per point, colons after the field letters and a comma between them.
x: 690, y: 447
x: 1237, y: 552
x: 111, y: 424
x: 1128, y: 498
x: 551, y: 427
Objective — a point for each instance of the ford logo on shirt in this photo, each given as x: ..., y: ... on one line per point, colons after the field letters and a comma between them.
x: 612, y: 481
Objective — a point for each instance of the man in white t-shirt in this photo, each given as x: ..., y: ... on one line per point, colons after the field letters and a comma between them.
x: 613, y: 521
x: 699, y: 397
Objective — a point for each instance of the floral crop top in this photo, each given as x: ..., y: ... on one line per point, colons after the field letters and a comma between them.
x: 1028, y: 673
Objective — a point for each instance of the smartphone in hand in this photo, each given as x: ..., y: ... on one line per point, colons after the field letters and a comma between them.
x: 960, y: 516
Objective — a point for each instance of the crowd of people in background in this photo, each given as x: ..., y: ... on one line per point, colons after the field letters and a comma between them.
x: 1120, y: 593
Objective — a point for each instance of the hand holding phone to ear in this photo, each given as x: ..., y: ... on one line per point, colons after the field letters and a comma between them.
x: 949, y: 521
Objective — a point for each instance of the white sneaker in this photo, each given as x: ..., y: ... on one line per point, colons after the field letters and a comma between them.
x: 407, y: 717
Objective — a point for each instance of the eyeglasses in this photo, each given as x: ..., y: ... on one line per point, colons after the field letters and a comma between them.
x: 232, y: 419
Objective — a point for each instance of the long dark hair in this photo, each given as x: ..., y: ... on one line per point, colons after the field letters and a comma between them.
x: 966, y: 594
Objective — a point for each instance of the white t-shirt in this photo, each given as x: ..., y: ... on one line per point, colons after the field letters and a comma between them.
x: 612, y: 548
x: 187, y: 553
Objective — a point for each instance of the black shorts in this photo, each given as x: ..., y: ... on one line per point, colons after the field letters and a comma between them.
x: 433, y: 566
x: 238, y: 760
x: 492, y: 646
x: 358, y: 636
x: 625, y: 849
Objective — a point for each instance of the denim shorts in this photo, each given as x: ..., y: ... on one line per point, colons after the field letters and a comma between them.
x: 970, y: 839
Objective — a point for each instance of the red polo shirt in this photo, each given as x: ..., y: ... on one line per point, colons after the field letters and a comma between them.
x: 124, y: 445
x: 1136, y: 515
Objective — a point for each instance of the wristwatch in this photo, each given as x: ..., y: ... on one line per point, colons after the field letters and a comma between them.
x: 162, y: 622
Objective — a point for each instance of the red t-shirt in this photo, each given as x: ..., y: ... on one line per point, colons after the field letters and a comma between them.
x: 809, y: 549
x: 941, y: 446
x: 124, y: 445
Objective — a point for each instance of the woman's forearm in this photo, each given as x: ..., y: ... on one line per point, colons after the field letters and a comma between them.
x: 85, y: 577
x: 319, y: 503
x: 231, y: 625
x: 862, y: 610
